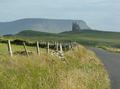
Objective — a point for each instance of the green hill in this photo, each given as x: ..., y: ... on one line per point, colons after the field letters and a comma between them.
x: 95, y: 33
x: 86, y: 37
x: 30, y: 33
x: 84, y: 33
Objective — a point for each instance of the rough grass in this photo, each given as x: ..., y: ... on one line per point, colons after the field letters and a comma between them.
x: 82, y: 70
x: 109, y: 48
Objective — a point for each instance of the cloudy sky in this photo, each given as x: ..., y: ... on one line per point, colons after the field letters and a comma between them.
x: 99, y: 14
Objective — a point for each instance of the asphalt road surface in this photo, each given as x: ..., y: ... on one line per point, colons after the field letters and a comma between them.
x: 112, y: 64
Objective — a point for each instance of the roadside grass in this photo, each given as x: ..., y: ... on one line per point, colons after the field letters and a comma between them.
x: 109, y: 48
x: 82, y: 70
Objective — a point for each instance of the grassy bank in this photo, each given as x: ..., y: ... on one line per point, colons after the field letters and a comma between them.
x: 82, y: 70
x: 111, y: 49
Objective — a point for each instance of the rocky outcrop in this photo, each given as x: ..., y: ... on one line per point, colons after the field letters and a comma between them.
x: 75, y: 27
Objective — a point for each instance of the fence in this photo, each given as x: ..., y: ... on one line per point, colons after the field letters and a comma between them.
x: 56, y: 46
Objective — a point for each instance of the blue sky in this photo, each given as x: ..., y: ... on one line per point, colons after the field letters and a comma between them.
x: 99, y: 14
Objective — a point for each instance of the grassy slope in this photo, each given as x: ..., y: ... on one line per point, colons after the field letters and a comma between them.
x: 30, y: 33
x: 82, y: 71
x: 111, y: 49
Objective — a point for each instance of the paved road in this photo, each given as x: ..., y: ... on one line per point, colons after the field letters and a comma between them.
x: 112, y: 64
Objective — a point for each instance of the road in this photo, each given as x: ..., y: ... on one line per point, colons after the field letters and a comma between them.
x: 112, y: 64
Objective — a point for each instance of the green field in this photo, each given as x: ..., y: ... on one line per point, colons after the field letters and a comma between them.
x: 85, y: 37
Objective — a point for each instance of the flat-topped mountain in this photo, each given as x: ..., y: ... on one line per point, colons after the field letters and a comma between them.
x: 43, y: 25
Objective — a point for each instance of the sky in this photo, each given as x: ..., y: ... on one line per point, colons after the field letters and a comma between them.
x: 99, y: 14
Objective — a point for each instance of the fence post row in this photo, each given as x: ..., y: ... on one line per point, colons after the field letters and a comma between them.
x: 10, y: 48
x: 26, y: 51
x: 38, y: 48
x: 58, y: 47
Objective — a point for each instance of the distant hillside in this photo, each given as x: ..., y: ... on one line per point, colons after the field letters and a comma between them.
x: 43, y: 25
x: 87, y: 37
x: 94, y: 33
x: 82, y: 33
x: 30, y: 33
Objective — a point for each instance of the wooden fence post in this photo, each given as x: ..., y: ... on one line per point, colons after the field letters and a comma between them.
x: 48, y: 47
x: 69, y: 46
x: 65, y: 47
x: 38, y: 48
x: 57, y: 48
x: 10, y: 48
x: 61, y: 50
x: 25, y: 49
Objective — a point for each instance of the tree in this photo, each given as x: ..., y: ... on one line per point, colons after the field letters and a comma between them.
x: 75, y: 27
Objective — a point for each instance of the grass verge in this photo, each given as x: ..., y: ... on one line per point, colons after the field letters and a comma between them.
x: 83, y: 70
x: 111, y: 49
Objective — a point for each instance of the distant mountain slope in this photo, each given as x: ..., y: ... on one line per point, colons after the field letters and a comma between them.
x: 44, y: 25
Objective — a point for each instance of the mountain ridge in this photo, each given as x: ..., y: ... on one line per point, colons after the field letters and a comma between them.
x: 41, y: 24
